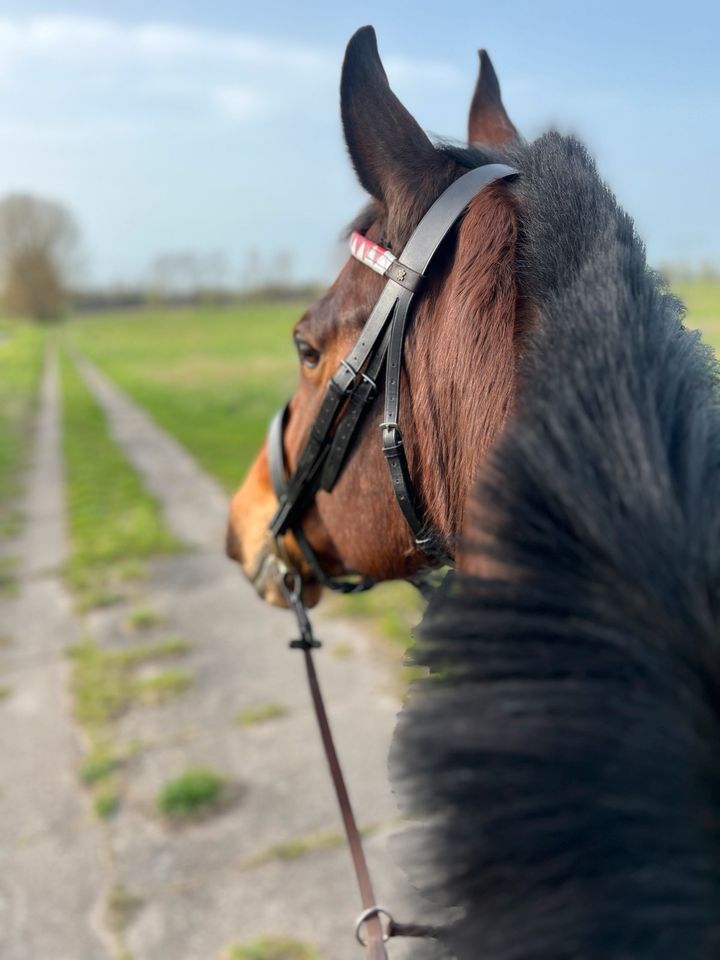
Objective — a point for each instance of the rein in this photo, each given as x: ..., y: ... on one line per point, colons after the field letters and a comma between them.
x: 370, y: 918
x: 348, y: 396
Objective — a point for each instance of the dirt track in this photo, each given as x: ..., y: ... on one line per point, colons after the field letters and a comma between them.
x: 191, y: 888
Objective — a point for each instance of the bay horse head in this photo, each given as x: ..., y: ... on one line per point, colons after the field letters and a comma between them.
x: 457, y: 364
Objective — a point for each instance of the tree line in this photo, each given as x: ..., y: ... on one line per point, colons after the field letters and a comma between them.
x: 40, y: 265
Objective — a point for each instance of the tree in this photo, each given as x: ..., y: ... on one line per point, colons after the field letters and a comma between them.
x: 38, y: 245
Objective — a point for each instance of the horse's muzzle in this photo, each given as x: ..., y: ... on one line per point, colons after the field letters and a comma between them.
x: 270, y: 567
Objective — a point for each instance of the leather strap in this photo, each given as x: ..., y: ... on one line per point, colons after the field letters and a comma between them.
x: 359, y: 401
x: 374, y: 944
x: 416, y: 256
x: 276, y: 463
x: 278, y: 478
x: 374, y: 947
x: 432, y: 229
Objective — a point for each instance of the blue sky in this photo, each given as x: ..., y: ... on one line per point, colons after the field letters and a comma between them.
x: 214, y: 126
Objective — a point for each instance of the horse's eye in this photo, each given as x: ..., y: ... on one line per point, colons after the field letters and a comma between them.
x: 309, y: 356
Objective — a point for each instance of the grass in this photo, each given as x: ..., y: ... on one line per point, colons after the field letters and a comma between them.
x: 342, y: 651
x: 5, y: 692
x: 106, y: 802
x: 393, y: 608
x: 271, y: 948
x: 298, y: 847
x: 103, y: 684
x: 113, y: 521
x: 169, y: 647
x: 100, y: 684
x: 143, y: 618
x: 120, y: 907
x: 260, y: 714
x: 162, y: 686
x: 301, y: 846
x: 11, y: 521
x: 99, y: 765
x: 702, y: 299
x: 8, y: 576
x: 194, y: 791
x: 21, y: 350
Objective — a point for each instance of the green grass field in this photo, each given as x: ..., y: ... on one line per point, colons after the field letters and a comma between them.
x: 211, y: 377
x: 114, y: 523
x: 702, y: 299
x: 21, y: 348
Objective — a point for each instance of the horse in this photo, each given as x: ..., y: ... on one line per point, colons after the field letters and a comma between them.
x: 561, y: 429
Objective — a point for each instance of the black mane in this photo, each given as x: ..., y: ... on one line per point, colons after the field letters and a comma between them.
x: 565, y: 755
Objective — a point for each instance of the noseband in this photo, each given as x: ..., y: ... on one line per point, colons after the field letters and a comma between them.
x: 353, y: 387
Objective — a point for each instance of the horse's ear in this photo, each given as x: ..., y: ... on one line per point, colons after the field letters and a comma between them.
x: 388, y: 148
x: 488, y: 122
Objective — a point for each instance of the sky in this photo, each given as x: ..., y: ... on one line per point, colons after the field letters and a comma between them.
x: 214, y: 127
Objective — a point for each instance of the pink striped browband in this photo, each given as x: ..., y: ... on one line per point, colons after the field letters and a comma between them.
x: 369, y: 253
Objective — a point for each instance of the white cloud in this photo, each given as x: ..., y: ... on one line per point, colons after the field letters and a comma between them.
x: 75, y: 38
x: 238, y: 102
x: 233, y: 74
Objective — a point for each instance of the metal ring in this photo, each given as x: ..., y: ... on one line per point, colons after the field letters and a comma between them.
x: 389, y: 424
x: 349, y: 367
x: 368, y: 915
x: 369, y: 380
x: 292, y: 581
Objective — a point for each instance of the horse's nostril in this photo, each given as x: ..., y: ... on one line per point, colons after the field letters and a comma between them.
x: 232, y: 546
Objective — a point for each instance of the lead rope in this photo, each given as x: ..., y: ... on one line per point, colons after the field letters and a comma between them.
x: 369, y: 919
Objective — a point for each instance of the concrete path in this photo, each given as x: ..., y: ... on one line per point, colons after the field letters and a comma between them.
x: 53, y: 869
x: 195, y: 886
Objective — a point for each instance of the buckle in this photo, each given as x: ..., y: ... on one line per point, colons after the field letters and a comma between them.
x: 391, y: 436
x: 350, y: 368
x: 356, y: 378
x: 373, y: 384
x: 338, y: 389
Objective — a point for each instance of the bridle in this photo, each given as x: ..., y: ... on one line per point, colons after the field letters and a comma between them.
x: 348, y: 396
x: 353, y: 386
